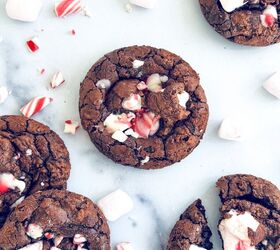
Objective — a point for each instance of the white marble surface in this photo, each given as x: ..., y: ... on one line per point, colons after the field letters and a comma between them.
x: 232, y: 76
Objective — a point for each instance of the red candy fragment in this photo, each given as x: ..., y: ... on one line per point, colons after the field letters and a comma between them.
x: 3, y: 188
x: 33, y: 44
x: 67, y: 7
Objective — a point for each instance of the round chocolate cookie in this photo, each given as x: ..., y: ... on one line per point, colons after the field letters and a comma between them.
x: 143, y: 107
x: 252, y: 22
x: 250, y: 213
x: 55, y: 219
x: 32, y: 158
x: 191, y: 231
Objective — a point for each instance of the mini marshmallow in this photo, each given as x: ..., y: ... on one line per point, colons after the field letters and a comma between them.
x: 231, y: 5
x: 148, y: 4
x: 231, y: 129
x: 272, y: 84
x: 116, y: 205
x: 35, y: 246
x: 137, y: 64
x: 119, y: 136
x: 4, y: 93
x: 103, y: 84
x: 34, y: 231
x: 24, y: 10
x: 124, y: 246
x: 183, y: 98
x: 70, y: 127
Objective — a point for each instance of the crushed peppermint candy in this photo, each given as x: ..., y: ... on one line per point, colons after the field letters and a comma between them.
x: 34, y: 231
x: 35, y: 105
x: 4, y: 93
x: 34, y: 246
x: 57, y: 80
x: 33, y: 44
x: 124, y: 246
x: 133, y: 102
x: 70, y: 127
x: 137, y: 64
x: 8, y: 181
x: 142, y: 85
x: 41, y: 71
x: 119, y: 136
x: 272, y: 84
x: 79, y: 239
x: 119, y: 122
x: 49, y: 236
x: 103, y: 84
x: 269, y: 16
x: 73, y: 32
x: 148, y: 4
x: 67, y: 7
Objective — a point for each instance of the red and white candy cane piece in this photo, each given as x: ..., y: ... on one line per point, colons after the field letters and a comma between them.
x: 35, y: 105
x: 269, y: 16
x: 67, y: 7
x: 70, y: 127
x: 57, y: 80
x: 79, y: 239
x: 49, y: 236
x: 124, y: 246
x: 33, y: 44
x: 57, y: 240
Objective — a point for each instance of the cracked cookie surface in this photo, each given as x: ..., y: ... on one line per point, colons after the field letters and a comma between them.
x: 32, y: 158
x: 191, y: 231
x: 250, y: 213
x: 56, y: 219
x: 143, y: 107
x: 253, y: 22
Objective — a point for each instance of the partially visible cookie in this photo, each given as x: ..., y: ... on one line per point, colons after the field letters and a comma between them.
x: 143, y: 107
x: 250, y: 213
x: 56, y: 219
x: 32, y: 158
x: 252, y: 22
x: 191, y: 232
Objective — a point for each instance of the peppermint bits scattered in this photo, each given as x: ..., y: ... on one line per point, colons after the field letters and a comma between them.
x: 70, y: 127
x: 35, y: 105
x: 67, y: 7
x: 269, y: 16
x: 57, y: 80
x: 33, y: 44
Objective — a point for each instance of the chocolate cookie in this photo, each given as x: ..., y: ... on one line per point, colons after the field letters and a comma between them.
x: 32, y: 158
x: 250, y: 213
x: 143, y: 107
x: 191, y: 232
x: 252, y: 22
x: 55, y: 219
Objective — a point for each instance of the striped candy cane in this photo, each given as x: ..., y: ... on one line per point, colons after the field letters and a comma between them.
x: 35, y: 105
x: 67, y: 7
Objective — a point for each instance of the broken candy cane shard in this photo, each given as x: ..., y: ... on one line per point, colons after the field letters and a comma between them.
x: 269, y: 16
x: 231, y: 5
x: 8, y: 181
x: 57, y: 80
x: 124, y: 246
x: 33, y: 44
x: 70, y: 127
x: 79, y: 239
x: 35, y: 105
x: 116, y: 205
x: 119, y: 136
x: 67, y: 7
x: 133, y: 102
x: 49, y: 235
x: 34, y: 231
x: 35, y: 246
x: 272, y: 84
x: 148, y: 4
x: 137, y: 64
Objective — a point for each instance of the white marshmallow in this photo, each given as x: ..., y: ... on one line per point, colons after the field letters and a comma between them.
x: 272, y: 84
x: 148, y: 4
x: 231, y: 5
x: 116, y: 205
x: 24, y: 10
x: 4, y: 93
x: 35, y: 246
x: 235, y: 229
x: 119, y: 136
x: 195, y: 247
x: 124, y: 246
x: 34, y: 231
x: 231, y: 129
x: 183, y: 98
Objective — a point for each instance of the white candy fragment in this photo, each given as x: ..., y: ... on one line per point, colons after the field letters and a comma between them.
x: 79, y: 239
x: 231, y: 5
x: 20, y: 200
x: 195, y: 247
x: 116, y: 205
x: 103, y: 84
x: 24, y: 10
x: 234, y: 230
x: 119, y: 122
x: 133, y: 102
x: 119, y: 136
x: 146, y: 160
x: 148, y: 4
x: 34, y: 231
x: 4, y: 93
x: 70, y: 127
x: 272, y: 84
x: 8, y: 180
x: 137, y: 64
x: 57, y: 240
x: 124, y: 246
x: 154, y: 82
x: 183, y: 98
x: 35, y: 246
x: 57, y: 80
x: 131, y: 133
x: 231, y: 128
